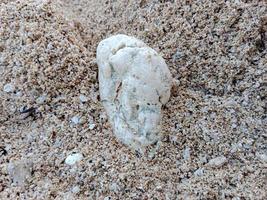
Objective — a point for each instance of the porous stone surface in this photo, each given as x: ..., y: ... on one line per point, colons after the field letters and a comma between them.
x: 134, y: 83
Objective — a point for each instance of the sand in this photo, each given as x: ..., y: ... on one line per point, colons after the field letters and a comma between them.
x: 214, y: 126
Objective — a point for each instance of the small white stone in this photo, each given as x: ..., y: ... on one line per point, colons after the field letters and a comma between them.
x: 234, y: 125
x: 75, y: 119
x: 19, y: 94
x: 41, y: 99
x: 203, y: 159
x: 199, y: 172
x: 236, y: 198
x: 83, y: 98
x: 173, y: 139
x: 73, y: 158
x: 217, y: 162
x: 91, y: 126
x: 177, y: 55
x: 186, y: 153
x: 76, y: 189
x: 257, y: 84
x: 114, y: 187
x: 9, y: 88
x: 50, y: 46
x: 262, y: 157
x: 235, y: 147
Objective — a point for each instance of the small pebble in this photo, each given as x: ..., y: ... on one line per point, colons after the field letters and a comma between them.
x: 114, y: 187
x: 91, y: 126
x: 199, y: 172
x: 173, y: 139
x: 73, y: 158
x: 177, y: 55
x: 203, y: 159
x: 8, y: 88
x: 262, y: 157
x: 50, y: 46
x: 19, y: 94
x: 218, y: 161
x: 186, y: 153
x: 234, y: 125
x: 75, y: 119
x: 41, y: 99
x: 235, y: 147
x: 76, y: 189
x: 83, y: 98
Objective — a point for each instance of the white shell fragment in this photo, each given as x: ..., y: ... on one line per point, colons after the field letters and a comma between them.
x: 20, y: 171
x: 8, y: 88
x: 75, y: 120
x: 217, y: 162
x: 73, y: 158
x: 134, y: 83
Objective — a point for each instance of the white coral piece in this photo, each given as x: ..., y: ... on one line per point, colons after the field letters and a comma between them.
x: 134, y: 83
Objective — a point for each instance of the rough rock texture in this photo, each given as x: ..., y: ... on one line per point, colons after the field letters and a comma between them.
x: 216, y: 52
x: 134, y: 83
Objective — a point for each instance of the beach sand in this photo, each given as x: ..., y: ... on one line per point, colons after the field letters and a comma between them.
x: 214, y: 125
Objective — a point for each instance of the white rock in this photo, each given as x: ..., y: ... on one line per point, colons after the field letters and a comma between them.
x: 262, y: 157
x: 18, y: 93
x: 203, y: 159
x: 83, y: 98
x: 134, y: 83
x: 177, y: 55
x: 73, y: 158
x: 75, y: 119
x: 217, y: 162
x: 235, y: 147
x: 199, y: 172
x: 173, y: 139
x: 9, y: 88
x: 91, y: 126
x: 50, y: 46
x: 186, y: 153
x: 76, y: 189
x: 114, y: 187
